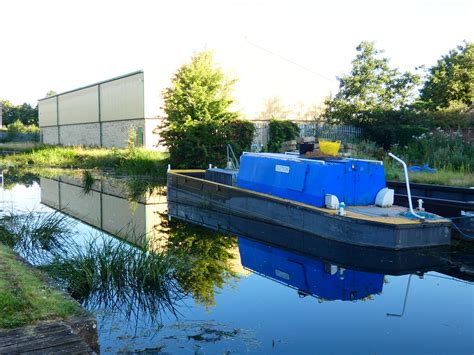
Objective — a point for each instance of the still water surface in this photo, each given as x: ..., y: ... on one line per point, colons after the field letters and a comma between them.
x: 243, y: 295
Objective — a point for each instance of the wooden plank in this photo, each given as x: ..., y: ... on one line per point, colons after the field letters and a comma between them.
x: 24, y: 336
x: 50, y: 338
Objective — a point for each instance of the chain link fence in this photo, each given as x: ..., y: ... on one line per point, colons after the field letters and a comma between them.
x: 345, y: 133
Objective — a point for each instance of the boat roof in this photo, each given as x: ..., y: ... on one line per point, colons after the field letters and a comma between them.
x: 297, y: 157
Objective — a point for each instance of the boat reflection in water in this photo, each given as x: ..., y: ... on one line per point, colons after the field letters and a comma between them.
x: 312, y: 265
x: 282, y: 245
x: 308, y: 275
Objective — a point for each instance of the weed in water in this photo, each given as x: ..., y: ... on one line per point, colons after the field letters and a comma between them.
x: 110, y: 275
x: 87, y: 181
x: 37, y: 236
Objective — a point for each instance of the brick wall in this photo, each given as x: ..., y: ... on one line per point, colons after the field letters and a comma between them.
x: 81, y: 134
x: 114, y: 133
x: 49, y: 135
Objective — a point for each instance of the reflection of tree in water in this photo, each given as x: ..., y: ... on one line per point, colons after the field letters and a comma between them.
x: 14, y: 176
x: 208, y: 256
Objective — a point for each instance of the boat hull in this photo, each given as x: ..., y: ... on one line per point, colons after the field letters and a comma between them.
x: 368, y: 232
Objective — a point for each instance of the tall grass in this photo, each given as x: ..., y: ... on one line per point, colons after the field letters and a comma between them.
x: 100, y: 272
x: 393, y: 171
x: 111, y: 275
x: 442, y: 150
x: 449, y: 153
x: 37, y: 236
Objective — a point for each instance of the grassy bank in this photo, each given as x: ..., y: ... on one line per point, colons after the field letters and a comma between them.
x: 25, y: 296
x: 127, y: 161
x: 144, y: 162
x: 454, y: 165
x: 440, y: 177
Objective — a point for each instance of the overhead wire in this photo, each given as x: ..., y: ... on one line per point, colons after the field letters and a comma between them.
x: 289, y: 60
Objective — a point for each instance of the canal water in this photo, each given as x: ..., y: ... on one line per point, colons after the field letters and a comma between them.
x: 227, y: 294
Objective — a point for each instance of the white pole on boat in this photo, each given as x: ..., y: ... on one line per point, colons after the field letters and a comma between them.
x: 407, y: 183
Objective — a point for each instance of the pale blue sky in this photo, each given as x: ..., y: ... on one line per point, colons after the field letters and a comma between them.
x: 62, y: 45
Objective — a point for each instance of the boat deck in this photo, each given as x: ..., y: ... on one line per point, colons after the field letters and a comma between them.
x: 390, y: 215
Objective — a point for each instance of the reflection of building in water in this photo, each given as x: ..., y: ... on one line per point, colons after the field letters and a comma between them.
x: 107, y: 207
x: 309, y: 276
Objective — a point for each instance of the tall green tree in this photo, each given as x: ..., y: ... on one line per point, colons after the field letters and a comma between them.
x: 199, y: 121
x: 450, y: 82
x: 24, y: 113
x: 199, y: 92
x: 371, y: 86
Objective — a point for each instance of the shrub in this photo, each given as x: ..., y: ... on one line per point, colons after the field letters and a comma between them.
x: 200, y: 143
x: 388, y: 127
x: 368, y: 150
x: 17, y: 128
x: 239, y: 134
x: 281, y: 131
x: 439, y: 149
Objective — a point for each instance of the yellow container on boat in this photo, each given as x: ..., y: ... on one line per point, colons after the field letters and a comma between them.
x: 329, y: 148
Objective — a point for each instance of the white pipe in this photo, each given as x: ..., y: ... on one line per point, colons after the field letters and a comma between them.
x: 408, y: 184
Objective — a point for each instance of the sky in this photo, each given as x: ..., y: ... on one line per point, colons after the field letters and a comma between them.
x: 294, y: 50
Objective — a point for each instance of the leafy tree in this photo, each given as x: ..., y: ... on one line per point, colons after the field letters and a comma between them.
x: 450, y: 82
x: 199, y: 92
x: 24, y: 113
x: 198, y: 116
x: 51, y: 93
x: 371, y: 86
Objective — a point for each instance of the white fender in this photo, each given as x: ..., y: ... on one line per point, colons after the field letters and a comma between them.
x: 385, y: 197
x: 331, y: 201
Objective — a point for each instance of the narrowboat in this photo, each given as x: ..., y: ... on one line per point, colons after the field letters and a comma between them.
x: 341, y: 199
